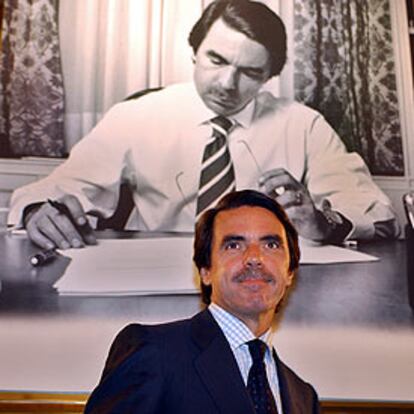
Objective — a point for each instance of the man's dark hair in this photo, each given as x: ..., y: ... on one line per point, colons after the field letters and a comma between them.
x: 255, y: 20
x: 205, y: 230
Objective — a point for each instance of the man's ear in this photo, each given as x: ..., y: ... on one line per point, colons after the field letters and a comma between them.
x: 193, y: 58
x: 290, y: 277
x: 205, y: 276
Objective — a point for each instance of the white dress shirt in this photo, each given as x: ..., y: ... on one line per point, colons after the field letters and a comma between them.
x: 237, y: 334
x: 157, y: 142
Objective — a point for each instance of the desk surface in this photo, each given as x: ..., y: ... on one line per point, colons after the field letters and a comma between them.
x: 347, y: 328
x: 369, y: 293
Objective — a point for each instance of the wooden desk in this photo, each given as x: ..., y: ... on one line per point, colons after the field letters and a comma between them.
x: 348, y: 328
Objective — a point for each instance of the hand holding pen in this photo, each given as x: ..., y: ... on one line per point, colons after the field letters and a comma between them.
x: 60, y: 224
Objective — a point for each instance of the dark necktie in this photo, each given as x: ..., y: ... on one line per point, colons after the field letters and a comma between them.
x: 217, y: 172
x: 257, y: 383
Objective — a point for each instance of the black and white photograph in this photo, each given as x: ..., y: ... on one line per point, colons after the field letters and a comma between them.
x: 207, y: 206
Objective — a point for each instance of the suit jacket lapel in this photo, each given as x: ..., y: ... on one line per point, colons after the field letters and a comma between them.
x: 217, y: 367
x: 283, y: 387
x: 289, y: 394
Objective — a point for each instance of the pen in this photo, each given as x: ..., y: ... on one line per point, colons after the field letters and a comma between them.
x: 46, y: 256
x: 84, y: 228
x: 43, y: 257
x: 63, y: 209
x: 60, y: 207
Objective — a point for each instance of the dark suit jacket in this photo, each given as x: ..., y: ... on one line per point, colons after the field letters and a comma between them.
x: 184, y: 367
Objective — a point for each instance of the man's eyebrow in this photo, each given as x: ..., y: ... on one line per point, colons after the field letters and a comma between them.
x: 213, y: 54
x: 266, y: 238
x: 258, y: 69
x: 232, y: 238
x: 272, y: 238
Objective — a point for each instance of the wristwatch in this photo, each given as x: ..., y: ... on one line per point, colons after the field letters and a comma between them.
x: 339, y: 226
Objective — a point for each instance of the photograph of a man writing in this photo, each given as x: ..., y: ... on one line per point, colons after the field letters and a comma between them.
x: 222, y: 359
x: 181, y: 148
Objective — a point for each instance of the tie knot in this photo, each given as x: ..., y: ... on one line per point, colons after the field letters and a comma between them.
x: 257, y: 350
x: 221, y: 124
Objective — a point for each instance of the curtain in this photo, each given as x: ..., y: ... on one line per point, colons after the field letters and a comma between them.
x: 113, y: 48
x: 344, y: 67
x: 109, y: 50
x: 31, y: 83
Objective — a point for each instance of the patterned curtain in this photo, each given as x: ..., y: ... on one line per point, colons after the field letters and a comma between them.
x: 344, y: 68
x: 31, y: 84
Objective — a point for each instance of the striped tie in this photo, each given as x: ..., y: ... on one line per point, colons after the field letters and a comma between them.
x: 217, y: 172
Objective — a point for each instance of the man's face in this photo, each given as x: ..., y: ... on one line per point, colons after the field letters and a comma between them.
x: 249, y: 262
x: 229, y: 69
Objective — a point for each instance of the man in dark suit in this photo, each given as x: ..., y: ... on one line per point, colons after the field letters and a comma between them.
x: 221, y: 360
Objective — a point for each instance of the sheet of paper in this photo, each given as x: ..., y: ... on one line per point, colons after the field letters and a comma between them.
x: 139, y: 266
x: 157, y: 266
x: 315, y: 253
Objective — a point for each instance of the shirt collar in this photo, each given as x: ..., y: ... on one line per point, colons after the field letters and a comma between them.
x: 236, y: 332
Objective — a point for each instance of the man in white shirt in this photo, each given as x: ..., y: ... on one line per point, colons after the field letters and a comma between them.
x: 157, y: 142
x: 221, y: 360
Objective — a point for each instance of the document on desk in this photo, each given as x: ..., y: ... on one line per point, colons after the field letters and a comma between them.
x: 157, y: 266
x: 316, y: 253
x: 125, y: 267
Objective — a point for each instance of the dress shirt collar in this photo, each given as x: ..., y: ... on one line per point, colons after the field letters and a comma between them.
x: 236, y: 332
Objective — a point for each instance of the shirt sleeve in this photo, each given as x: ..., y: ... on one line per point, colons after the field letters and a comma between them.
x: 92, y: 173
x: 345, y: 181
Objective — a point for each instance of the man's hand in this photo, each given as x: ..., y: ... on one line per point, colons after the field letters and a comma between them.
x: 49, y: 227
x: 295, y: 199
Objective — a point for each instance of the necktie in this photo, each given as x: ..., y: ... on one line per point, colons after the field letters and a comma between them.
x: 217, y: 172
x: 257, y: 383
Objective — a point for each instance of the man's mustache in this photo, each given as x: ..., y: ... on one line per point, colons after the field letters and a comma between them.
x: 253, y: 274
x: 225, y: 95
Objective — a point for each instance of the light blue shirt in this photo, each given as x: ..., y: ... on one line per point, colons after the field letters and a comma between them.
x: 237, y: 334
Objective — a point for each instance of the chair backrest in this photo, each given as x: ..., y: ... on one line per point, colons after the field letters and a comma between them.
x: 125, y: 206
x: 143, y: 92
